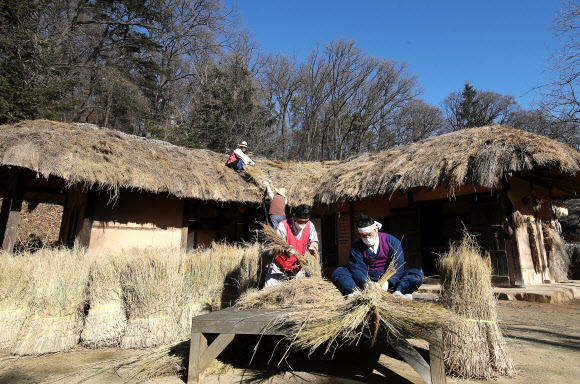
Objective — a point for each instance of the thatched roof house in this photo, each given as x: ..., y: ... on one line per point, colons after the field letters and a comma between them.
x: 478, y: 157
x: 111, y: 160
x: 122, y: 190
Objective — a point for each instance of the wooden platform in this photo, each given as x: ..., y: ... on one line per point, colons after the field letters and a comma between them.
x: 228, y: 323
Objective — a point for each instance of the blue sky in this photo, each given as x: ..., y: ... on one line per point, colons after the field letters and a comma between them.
x: 498, y: 46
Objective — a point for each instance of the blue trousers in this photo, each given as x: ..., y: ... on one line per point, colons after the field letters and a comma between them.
x: 276, y: 219
x: 236, y: 165
x: 407, y: 281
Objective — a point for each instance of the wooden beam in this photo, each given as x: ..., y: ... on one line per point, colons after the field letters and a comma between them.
x: 10, y: 214
x: 511, y: 245
x: 87, y: 223
x: 436, y: 362
x: 184, y: 225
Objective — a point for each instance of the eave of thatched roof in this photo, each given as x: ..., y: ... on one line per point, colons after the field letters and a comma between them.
x: 83, y: 154
x: 477, y: 157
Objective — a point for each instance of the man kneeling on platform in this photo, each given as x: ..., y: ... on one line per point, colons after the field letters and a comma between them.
x: 300, y: 233
x: 370, y: 256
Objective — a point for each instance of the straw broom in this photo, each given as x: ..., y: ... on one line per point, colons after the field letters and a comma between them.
x: 473, y: 347
x: 106, y: 319
x: 152, y: 286
x: 13, y: 292
x: 279, y: 245
x: 58, y: 283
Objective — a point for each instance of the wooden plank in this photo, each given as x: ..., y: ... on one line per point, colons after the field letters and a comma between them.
x: 215, y: 348
x: 248, y: 322
x: 413, y: 358
x: 197, y: 346
x: 89, y: 214
x: 13, y: 214
x: 436, y: 361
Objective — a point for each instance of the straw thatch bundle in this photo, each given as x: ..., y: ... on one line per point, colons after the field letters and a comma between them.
x: 558, y: 259
x: 13, y: 294
x: 278, y: 245
x: 214, y: 277
x: 474, y: 347
x: 86, y: 154
x: 105, y: 321
x: 56, y: 300
x: 312, y: 292
x: 468, y: 157
x: 317, y: 314
x: 152, y: 284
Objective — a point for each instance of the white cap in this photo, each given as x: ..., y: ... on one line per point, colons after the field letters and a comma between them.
x: 243, y: 144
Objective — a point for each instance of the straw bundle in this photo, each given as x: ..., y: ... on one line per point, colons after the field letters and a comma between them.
x: 292, y: 293
x: 58, y: 283
x: 279, y: 245
x: 558, y: 259
x: 106, y: 319
x: 152, y: 284
x: 13, y: 292
x: 214, y: 277
x: 474, y: 347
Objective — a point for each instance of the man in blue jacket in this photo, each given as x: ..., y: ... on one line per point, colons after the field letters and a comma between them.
x: 370, y: 256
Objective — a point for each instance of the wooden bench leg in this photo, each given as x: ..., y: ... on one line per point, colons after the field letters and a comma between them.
x: 197, y: 346
x: 201, y: 355
x: 436, y: 361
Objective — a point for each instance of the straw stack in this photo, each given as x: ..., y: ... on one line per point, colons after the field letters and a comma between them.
x: 13, y: 292
x: 106, y: 319
x: 473, y: 347
x: 58, y: 283
x: 558, y: 259
x: 152, y: 285
x: 215, y: 277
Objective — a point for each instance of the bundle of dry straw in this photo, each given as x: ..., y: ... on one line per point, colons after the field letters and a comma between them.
x: 152, y: 283
x: 56, y: 300
x: 106, y: 320
x: 317, y: 314
x: 473, y: 347
x: 558, y: 259
x: 277, y: 244
x: 214, y: 277
x: 13, y: 292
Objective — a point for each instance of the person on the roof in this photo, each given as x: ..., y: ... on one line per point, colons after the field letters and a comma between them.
x: 238, y: 158
x: 278, y: 203
x: 300, y: 233
x: 370, y: 256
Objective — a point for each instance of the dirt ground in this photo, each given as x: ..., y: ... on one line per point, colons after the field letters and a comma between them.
x: 544, y: 342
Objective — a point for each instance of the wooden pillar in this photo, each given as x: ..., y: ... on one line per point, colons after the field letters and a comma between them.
x: 73, y: 216
x: 185, y: 225
x: 10, y: 212
x: 84, y: 236
x: 511, y: 244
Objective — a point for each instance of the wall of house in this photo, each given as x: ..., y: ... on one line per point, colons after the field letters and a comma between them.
x: 136, y: 219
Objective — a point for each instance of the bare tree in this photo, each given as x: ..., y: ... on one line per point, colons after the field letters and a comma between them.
x: 561, y: 94
x: 415, y: 121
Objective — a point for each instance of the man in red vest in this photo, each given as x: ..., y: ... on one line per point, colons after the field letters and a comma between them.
x: 300, y: 233
x: 238, y: 158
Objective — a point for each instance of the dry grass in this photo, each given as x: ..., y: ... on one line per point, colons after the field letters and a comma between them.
x: 85, y: 154
x: 277, y: 244
x: 13, y: 297
x: 57, y: 284
x: 106, y: 320
x: 215, y: 277
x: 312, y: 292
x: 558, y: 259
x: 469, y: 158
x: 474, y: 347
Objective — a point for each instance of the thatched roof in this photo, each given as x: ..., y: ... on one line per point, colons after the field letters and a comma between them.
x: 112, y: 160
x: 477, y: 156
